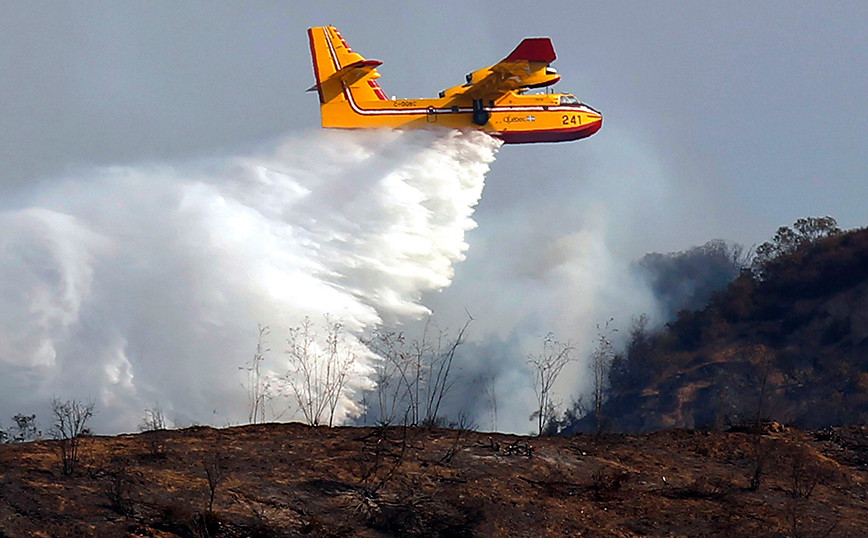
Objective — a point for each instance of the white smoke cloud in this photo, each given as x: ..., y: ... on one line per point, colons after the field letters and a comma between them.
x: 570, y: 285
x: 560, y: 261
x: 143, y: 285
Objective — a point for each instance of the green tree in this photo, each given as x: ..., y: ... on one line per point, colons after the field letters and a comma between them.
x: 787, y: 240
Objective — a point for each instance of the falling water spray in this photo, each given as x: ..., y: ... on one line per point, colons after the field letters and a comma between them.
x: 145, y: 284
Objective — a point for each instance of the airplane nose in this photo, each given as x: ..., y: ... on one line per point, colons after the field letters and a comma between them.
x: 595, y: 115
x: 595, y: 122
x: 594, y: 126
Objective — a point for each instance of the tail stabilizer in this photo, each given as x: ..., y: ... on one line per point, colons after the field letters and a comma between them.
x: 338, y: 69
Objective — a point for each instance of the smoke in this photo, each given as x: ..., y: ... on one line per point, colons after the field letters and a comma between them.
x: 143, y: 285
x: 687, y: 279
x: 578, y: 284
x: 562, y: 260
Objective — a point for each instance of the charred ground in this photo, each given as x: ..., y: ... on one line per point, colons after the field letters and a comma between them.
x: 787, y: 341
x: 293, y: 480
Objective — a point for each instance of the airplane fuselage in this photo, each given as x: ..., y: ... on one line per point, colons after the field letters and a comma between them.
x: 515, y: 118
x: 494, y: 99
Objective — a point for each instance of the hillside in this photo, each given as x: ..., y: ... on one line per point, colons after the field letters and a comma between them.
x: 785, y: 342
x: 294, y: 480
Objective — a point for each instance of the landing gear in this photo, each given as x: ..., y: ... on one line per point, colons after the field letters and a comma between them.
x: 480, y: 115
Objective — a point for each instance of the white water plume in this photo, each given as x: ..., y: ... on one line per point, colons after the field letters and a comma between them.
x: 143, y: 285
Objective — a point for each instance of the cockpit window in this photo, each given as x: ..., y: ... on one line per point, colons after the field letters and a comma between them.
x: 569, y: 100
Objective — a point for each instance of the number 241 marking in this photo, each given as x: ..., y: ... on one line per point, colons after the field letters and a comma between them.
x: 567, y: 120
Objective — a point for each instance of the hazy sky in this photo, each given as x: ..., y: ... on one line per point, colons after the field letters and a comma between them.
x: 721, y: 119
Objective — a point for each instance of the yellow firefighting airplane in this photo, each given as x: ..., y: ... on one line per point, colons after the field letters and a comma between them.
x: 493, y: 99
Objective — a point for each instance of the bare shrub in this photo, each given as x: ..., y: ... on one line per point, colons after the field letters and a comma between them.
x: 605, y: 483
x: 414, y: 375
x: 546, y: 368
x: 438, y: 370
x: 803, y: 471
x: 458, y: 445
x: 321, y: 369
x: 380, y: 464
x: 760, y: 454
x: 214, y: 464
x: 804, y: 522
x: 601, y: 363
x: 153, y: 427
x: 464, y: 422
x: 390, y: 375
x: 153, y: 421
x: 156, y: 442
x: 70, y: 425
x: 761, y: 451
x: 118, y: 488
x: 258, y: 388
x: 762, y: 359
x: 261, y: 518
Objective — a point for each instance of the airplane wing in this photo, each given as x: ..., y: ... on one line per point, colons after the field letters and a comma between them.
x: 526, y: 67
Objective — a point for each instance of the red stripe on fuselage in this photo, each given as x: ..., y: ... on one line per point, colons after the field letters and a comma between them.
x: 550, y: 135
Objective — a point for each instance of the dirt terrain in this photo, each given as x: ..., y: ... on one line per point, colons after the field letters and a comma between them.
x: 293, y: 480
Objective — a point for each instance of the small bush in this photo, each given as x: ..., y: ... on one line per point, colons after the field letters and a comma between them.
x: 803, y: 471
x: 118, y: 487
x: 607, y: 482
